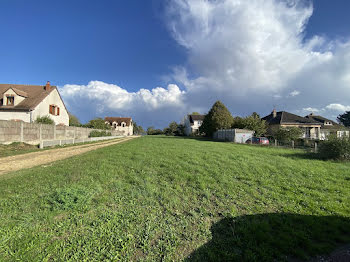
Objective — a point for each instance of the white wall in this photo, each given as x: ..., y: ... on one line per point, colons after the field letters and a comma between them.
x: 43, y: 109
x: 24, y: 116
x: 126, y: 130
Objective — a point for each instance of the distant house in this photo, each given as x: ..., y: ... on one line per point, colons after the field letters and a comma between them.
x: 329, y: 127
x: 122, y: 124
x: 28, y: 102
x: 192, y: 123
x: 310, y: 127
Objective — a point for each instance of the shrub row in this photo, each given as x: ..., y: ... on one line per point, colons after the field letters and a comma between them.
x: 335, y: 148
x: 96, y: 133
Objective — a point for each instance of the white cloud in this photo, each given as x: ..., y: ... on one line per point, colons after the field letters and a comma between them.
x: 294, y: 93
x: 115, y: 97
x: 102, y: 98
x: 249, y: 54
x: 338, y: 107
x: 311, y: 109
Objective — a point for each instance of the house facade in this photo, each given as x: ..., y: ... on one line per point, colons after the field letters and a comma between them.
x: 122, y: 124
x: 329, y: 127
x: 192, y: 124
x: 311, y: 128
x: 28, y: 102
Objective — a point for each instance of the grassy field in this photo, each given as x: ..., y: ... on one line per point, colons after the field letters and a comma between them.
x: 17, y: 148
x: 168, y: 198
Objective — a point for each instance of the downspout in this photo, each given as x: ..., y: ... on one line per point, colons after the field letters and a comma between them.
x: 31, y: 117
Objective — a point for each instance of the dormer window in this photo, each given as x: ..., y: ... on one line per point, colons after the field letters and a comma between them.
x: 10, y: 100
x: 123, y: 124
x: 328, y: 123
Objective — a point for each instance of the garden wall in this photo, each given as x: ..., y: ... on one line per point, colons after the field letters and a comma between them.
x: 12, y: 131
x: 233, y: 135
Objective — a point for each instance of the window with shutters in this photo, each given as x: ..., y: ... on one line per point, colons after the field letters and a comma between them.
x: 54, y: 110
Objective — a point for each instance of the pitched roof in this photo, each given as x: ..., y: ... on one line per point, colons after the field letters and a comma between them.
x: 119, y: 120
x: 322, y: 121
x: 284, y: 117
x: 33, y: 94
x: 196, y: 118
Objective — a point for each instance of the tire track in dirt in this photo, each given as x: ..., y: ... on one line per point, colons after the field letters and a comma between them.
x: 18, y: 162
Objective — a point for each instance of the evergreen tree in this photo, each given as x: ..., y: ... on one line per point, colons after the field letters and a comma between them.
x: 218, y: 118
x: 344, y: 119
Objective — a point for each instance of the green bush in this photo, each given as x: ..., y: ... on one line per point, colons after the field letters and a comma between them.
x: 44, y: 120
x: 335, y: 148
x: 97, y: 133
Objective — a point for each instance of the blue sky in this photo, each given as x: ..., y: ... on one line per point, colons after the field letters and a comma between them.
x: 105, y: 55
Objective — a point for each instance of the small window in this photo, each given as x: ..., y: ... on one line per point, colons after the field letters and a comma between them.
x: 10, y: 100
x: 123, y: 124
x: 54, y: 110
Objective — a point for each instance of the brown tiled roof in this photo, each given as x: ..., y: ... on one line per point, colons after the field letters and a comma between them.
x: 196, y: 118
x: 33, y: 96
x: 322, y: 121
x: 119, y: 120
x: 284, y: 117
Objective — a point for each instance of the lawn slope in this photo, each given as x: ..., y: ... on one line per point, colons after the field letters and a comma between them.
x: 168, y: 198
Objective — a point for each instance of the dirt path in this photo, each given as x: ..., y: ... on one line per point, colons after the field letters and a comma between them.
x: 18, y: 162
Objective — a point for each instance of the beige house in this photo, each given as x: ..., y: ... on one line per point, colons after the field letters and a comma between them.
x: 311, y: 128
x: 28, y: 102
x: 329, y: 127
x: 192, y: 124
x: 122, y: 124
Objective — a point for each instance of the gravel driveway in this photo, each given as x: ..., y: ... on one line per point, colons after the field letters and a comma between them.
x: 18, y: 162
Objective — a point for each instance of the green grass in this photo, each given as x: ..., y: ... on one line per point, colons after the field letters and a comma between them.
x: 173, y: 199
x: 19, y: 148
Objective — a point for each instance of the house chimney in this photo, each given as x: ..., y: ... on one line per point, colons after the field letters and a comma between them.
x: 47, y: 86
x: 274, y: 113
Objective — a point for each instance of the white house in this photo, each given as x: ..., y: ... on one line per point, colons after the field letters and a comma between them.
x: 192, y: 123
x: 122, y: 124
x: 28, y: 102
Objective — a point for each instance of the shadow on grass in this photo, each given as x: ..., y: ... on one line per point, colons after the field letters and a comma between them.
x: 304, y: 155
x: 273, y: 237
x: 185, y: 137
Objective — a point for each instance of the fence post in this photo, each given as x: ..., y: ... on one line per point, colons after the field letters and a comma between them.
x: 315, y: 147
x: 65, y: 132
x: 54, y: 132
x: 40, y: 133
x: 21, y: 132
x: 293, y: 144
x: 276, y: 142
